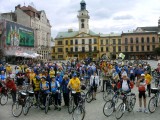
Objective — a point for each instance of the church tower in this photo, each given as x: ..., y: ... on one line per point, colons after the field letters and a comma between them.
x: 83, y: 18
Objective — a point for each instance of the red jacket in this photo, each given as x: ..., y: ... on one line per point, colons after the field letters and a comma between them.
x: 11, y: 85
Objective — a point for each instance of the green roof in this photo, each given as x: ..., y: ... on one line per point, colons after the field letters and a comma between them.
x: 110, y: 35
x: 72, y: 34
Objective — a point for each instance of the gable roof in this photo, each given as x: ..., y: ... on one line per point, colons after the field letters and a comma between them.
x: 151, y: 28
x: 72, y: 34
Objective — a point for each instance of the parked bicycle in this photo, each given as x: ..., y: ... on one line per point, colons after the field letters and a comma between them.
x: 154, y: 102
x: 128, y: 103
x: 89, y: 95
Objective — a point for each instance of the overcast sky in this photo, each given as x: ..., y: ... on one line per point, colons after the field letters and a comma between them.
x: 105, y: 15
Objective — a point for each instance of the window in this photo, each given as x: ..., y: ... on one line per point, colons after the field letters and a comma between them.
x: 71, y: 49
x: 126, y: 48
x: 83, y: 49
x: 76, y: 42
x: 101, y: 49
x: 119, y: 41
x: 66, y: 42
x: 114, y: 41
x: 90, y: 41
x: 60, y: 49
x: 106, y: 49
x: 131, y: 48
x: 148, y: 48
x: 142, y: 47
x: 83, y: 41
x: 153, y: 47
x: 90, y: 48
x: 147, y: 39
x: 153, y: 39
x: 137, y: 48
x: 59, y: 42
x: 131, y: 40
x: 60, y: 56
x: 114, y: 48
x: 126, y: 41
x: 119, y: 48
x: 82, y: 25
x: 76, y: 49
x: 71, y: 42
x: 137, y: 40
x: 95, y: 48
x: 66, y: 49
x: 142, y: 40
x: 106, y: 41
x: 101, y: 42
x: 95, y: 41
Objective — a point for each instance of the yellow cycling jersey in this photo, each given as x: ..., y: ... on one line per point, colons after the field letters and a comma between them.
x: 75, y: 84
x: 36, y: 84
x: 52, y: 73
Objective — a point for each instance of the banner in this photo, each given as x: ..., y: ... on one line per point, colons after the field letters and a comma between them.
x: 18, y: 35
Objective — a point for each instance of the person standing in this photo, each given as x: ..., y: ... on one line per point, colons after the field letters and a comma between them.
x: 148, y: 79
x: 94, y: 83
x: 65, y: 90
x: 141, y: 84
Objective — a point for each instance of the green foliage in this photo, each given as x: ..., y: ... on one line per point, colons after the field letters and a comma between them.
x: 157, y: 51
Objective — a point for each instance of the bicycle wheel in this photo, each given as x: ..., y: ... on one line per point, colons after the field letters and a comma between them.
x: 16, y: 109
x: 78, y: 113
x: 108, y: 108
x: 71, y: 105
x: 47, y: 105
x: 131, y: 104
x: 89, y: 96
x: 152, y: 104
x: 26, y: 107
x: 120, y: 111
x: 107, y: 95
x: 3, y: 99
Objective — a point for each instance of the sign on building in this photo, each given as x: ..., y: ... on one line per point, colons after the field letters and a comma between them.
x: 18, y: 35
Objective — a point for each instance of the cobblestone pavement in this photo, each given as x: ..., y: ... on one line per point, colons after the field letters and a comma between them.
x: 94, y: 111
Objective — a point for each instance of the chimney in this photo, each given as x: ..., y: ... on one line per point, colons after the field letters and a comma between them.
x: 18, y: 6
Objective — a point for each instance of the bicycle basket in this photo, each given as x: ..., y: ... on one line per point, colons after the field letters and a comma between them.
x: 31, y: 93
x: 154, y: 90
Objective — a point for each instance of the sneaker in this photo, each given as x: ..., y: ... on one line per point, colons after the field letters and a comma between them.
x: 145, y: 110
x: 139, y: 110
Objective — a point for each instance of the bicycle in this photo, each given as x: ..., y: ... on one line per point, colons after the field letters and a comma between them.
x: 157, y: 81
x: 71, y: 102
x: 154, y: 102
x: 17, y: 107
x: 128, y: 103
x: 40, y: 101
x: 5, y: 94
x: 29, y: 102
x: 108, y: 94
x: 79, y: 109
x: 110, y: 106
x: 89, y: 95
x: 49, y: 101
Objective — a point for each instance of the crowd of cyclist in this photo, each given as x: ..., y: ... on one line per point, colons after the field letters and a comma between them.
x: 59, y: 78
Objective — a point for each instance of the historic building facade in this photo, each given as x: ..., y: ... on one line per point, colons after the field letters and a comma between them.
x: 37, y: 20
x: 138, y: 44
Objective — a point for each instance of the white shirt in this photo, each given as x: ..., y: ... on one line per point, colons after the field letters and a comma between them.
x: 96, y: 80
x: 125, y: 86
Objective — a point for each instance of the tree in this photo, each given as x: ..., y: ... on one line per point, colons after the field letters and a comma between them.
x: 157, y: 51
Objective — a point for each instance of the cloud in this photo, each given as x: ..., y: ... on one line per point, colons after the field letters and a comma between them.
x: 105, y: 15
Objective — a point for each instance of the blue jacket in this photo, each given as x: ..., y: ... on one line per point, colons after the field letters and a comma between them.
x: 47, y: 85
x: 59, y: 79
x: 54, y: 86
x: 64, y: 86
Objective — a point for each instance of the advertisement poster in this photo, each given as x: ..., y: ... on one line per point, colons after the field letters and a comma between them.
x: 18, y: 35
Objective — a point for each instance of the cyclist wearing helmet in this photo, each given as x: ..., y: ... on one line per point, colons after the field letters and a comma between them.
x: 75, y: 83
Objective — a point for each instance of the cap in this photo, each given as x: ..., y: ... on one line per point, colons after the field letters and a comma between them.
x: 74, y: 75
x: 142, y: 74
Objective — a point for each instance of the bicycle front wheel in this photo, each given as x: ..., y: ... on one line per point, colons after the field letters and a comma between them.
x: 131, y: 104
x: 89, y: 97
x: 47, y: 105
x: 120, y: 111
x: 16, y: 109
x: 152, y: 104
x: 78, y: 113
x: 71, y: 105
x: 3, y: 99
x: 108, y: 108
x: 26, y: 107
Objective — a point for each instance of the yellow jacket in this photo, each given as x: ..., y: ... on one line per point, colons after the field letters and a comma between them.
x: 8, y: 69
x: 148, y: 79
x: 75, y: 84
x: 36, y: 84
x: 52, y: 73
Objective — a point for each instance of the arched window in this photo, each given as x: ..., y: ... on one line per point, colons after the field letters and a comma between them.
x: 82, y: 25
x: 142, y: 40
x: 153, y: 39
x: 148, y: 40
x: 131, y: 40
